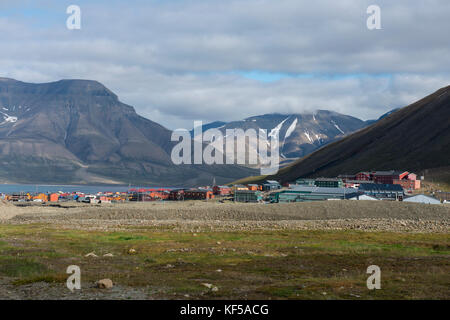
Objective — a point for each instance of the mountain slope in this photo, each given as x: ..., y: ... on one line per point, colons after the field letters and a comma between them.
x: 300, y: 134
x: 77, y: 131
x: 413, y: 138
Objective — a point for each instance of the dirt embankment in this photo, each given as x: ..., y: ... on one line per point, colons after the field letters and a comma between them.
x: 365, y: 215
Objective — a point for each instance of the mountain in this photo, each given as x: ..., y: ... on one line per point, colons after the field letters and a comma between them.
x: 414, y: 138
x: 77, y: 131
x: 300, y: 134
x: 211, y: 125
x: 369, y: 122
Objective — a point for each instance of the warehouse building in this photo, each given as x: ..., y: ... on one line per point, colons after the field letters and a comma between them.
x: 304, y: 193
x: 382, y: 191
x: 271, y: 185
x: 247, y: 196
x: 305, y: 182
x: 329, y: 182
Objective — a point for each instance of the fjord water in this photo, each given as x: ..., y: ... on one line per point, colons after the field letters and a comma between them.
x: 17, y: 188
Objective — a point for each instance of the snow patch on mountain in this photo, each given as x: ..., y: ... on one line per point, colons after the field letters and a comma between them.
x: 8, y: 118
x: 275, y: 131
x: 308, y: 136
x: 337, y: 127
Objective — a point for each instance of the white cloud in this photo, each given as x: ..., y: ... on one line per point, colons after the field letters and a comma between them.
x: 176, y: 61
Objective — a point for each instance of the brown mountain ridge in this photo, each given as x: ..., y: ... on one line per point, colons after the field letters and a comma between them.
x: 415, y: 138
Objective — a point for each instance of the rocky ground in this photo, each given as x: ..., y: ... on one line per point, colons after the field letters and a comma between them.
x: 192, y: 215
x: 263, y: 251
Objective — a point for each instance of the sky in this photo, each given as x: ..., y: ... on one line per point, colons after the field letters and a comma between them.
x: 177, y: 61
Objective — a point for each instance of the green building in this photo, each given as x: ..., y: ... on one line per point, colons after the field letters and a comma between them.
x: 247, y: 196
x: 329, y: 183
x: 303, y: 193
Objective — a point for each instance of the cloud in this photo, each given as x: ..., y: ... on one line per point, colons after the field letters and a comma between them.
x: 176, y: 61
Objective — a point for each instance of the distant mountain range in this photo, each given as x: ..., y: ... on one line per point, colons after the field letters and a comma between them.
x: 300, y: 134
x: 414, y: 138
x: 77, y: 131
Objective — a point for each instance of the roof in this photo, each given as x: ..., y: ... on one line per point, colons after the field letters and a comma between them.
x: 421, y: 198
x: 389, y: 173
x: 271, y: 182
x: 380, y: 187
x: 328, y: 179
x: 247, y: 191
x: 323, y: 190
x: 363, y: 197
x: 360, y: 181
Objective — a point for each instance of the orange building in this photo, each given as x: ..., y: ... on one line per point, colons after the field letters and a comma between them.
x: 42, y: 196
x: 54, y: 197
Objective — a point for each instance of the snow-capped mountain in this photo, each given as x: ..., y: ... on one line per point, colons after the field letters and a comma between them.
x: 300, y: 134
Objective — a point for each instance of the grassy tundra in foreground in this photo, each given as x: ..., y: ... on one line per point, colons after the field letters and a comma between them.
x: 258, y: 264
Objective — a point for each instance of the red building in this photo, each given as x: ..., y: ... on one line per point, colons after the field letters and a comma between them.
x: 198, y: 195
x: 388, y: 177
x: 221, y: 190
x: 363, y: 176
x: 176, y: 194
x: 253, y: 187
x: 408, y: 182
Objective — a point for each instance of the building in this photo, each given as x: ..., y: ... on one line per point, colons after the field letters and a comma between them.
x: 305, y: 182
x: 443, y: 196
x: 363, y: 176
x: 388, y: 177
x: 247, y: 196
x: 54, y: 197
x: 408, y: 182
x: 305, y: 193
x: 355, y: 183
x: 221, y: 190
x: 42, y: 197
x: 382, y: 191
x: 198, y: 194
x: 253, y: 187
x: 329, y: 183
x: 271, y: 185
x: 176, y: 194
x: 239, y: 187
x: 363, y: 197
x: 346, y: 177
x: 421, y: 198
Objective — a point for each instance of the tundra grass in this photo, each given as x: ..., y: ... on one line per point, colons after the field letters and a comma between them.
x: 242, y: 265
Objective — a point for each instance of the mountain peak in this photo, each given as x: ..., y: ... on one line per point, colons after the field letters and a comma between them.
x: 78, y: 86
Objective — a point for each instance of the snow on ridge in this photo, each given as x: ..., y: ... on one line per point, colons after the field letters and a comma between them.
x: 291, y: 129
x: 8, y: 118
x: 337, y: 127
x: 308, y: 136
x: 277, y: 129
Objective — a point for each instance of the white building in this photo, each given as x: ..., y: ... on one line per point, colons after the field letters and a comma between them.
x: 421, y: 198
x: 363, y: 197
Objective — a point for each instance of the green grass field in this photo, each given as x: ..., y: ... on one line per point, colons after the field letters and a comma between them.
x: 242, y: 265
